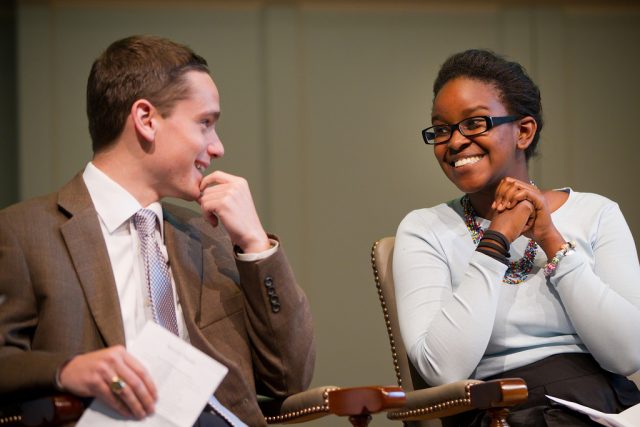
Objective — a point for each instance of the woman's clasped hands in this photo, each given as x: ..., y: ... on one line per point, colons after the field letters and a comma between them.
x: 523, y: 209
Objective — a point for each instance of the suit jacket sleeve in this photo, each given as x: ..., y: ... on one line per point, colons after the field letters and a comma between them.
x: 22, y: 369
x: 279, y: 325
x: 249, y: 315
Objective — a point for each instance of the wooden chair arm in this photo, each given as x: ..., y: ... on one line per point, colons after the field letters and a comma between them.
x: 499, y: 393
x: 300, y: 407
x: 365, y: 400
x: 460, y: 396
x: 52, y: 410
x: 321, y: 401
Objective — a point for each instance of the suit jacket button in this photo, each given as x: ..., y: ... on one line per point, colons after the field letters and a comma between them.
x: 275, y: 307
x: 268, y: 281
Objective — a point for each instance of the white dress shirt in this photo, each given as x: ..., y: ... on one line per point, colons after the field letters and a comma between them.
x: 116, y: 207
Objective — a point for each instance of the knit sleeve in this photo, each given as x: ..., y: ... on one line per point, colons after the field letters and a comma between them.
x: 445, y: 330
x: 602, y: 295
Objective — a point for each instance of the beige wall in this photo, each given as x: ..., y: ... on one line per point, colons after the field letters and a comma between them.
x: 322, y: 108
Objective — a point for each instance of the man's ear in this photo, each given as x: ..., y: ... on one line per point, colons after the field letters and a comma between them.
x: 526, y: 131
x: 143, y: 114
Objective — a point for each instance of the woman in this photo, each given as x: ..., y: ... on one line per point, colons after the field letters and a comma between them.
x: 511, y: 280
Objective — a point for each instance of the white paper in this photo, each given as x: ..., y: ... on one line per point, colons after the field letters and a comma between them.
x: 184, y: 377
x: 627, y: 418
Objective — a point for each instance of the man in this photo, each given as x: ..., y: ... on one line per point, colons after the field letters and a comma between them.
x: 80, y: 278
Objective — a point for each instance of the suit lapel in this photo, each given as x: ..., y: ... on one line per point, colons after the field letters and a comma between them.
x: 186, y: 258
x: 90, y: 258
x: 187, y: 265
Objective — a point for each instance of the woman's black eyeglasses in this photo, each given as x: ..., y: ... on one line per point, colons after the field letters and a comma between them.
x: 473, y: 126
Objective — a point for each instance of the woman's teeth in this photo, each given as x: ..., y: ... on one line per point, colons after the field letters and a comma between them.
x: 467, y: 161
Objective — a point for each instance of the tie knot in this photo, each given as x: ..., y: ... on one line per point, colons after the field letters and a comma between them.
x: 145, y: 221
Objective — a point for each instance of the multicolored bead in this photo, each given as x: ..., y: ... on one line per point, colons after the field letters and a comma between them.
x: 519, y: 269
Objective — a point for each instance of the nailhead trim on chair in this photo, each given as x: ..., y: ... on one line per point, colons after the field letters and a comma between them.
x: 303, y: 412
x: 383, y: 303
x: 434, y: 408
x: 11, y: 419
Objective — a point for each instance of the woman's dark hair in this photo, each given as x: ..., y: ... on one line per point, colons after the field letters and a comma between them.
x: 519, y: 93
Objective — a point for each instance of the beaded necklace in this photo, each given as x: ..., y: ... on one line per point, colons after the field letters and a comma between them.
x: 519, y: 269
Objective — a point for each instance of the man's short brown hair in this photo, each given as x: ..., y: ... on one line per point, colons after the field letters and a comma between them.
x: 133, y: 68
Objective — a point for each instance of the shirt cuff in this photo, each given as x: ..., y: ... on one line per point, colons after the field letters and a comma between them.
x: 257, y: 256
x: 58, y: 384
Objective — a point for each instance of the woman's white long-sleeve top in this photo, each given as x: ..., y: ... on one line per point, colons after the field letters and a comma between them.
x: 459, y: 320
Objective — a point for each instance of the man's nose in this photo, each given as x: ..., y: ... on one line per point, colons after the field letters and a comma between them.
x: 215, y: 148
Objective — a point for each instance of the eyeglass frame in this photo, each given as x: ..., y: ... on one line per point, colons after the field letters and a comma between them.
x: 491, y: 121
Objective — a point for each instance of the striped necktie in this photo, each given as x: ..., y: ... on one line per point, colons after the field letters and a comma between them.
x: 156, y: 270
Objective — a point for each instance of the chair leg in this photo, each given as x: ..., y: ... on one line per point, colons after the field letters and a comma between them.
x: 499, y: 417
x: 362, y: 420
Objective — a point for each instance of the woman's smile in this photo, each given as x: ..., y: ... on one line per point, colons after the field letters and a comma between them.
x: 470, y: 160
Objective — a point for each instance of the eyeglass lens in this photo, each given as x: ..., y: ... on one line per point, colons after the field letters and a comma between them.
x: 468, y: 127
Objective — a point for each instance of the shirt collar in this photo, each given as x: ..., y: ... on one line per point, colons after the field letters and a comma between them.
x: 114, y: 204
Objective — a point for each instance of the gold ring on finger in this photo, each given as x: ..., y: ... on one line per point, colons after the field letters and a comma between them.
x: 117, y: 385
